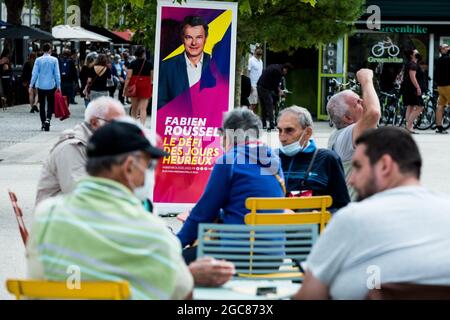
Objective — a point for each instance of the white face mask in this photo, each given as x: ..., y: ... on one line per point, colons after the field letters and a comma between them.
x: 143, y: 192
x: 294, y: 148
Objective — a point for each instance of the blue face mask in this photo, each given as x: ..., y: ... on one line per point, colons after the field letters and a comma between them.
x: 294, y: 148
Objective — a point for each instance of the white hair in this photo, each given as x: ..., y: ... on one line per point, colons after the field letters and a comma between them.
x: 100, y: 107
x: 303, y: 115
x: 337, y: 108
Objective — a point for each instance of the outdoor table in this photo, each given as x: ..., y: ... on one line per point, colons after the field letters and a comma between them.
x: 237, y: 289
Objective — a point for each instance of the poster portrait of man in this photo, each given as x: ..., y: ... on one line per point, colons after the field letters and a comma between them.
x: 184, y: 70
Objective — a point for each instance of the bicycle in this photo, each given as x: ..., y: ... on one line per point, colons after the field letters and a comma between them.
x: 392, y: 109
x: 427, y: 118
x: 281, y: 103
x: 379, y: 49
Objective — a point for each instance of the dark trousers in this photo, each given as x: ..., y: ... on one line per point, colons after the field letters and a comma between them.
x: 67, y: 90
x: 121, y: 98
x: 49, y: 96
x: 267, y: 107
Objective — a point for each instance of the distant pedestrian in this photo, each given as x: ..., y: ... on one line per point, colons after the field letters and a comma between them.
x: 119, y: 70
x: 268, y: 87
x: 255, y: 69
x: 84, y: 75
x: 414, y: 84
x: 98, y: 77
x: 140, y: 74
x: 46, y: 78
x: 442, y: 78
x: 69, y: 75
x: 26, y: 79
x: 6, y: 75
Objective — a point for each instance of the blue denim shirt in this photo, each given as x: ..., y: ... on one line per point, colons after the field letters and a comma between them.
x: 45, y: 73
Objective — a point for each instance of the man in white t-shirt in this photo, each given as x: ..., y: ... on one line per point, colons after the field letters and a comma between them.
x: 255, y: 68
x: 398, y: 233
x: 351, y: 116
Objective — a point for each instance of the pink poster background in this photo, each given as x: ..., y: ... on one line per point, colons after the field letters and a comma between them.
x: 184, y: 183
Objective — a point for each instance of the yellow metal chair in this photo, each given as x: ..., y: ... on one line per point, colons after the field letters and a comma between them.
x: 43, y: 289
x: 318, y: 213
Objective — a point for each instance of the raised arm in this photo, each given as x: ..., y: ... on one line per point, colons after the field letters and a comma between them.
x: 371, y: 104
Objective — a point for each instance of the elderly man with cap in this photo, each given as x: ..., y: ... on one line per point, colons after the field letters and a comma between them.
x: 102, y: 228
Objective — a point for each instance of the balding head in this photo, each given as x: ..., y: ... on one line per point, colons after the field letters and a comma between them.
x: 103, y: 110
x: 444, y: 48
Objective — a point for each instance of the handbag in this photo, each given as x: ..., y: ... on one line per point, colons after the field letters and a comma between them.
x: 131, y: 89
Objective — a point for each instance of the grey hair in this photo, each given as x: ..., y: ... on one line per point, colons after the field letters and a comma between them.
x: 100, y: 107
x: 90, y: 59
x: 96, y: 166
x: 241, y: 124
x: 303, y: 115
x: 337, y: 108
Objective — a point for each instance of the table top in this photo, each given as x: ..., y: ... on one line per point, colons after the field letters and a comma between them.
x: 246, y: 290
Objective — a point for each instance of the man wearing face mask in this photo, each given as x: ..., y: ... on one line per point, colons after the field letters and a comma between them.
x: 102, y: 227
x: 67, y: 159
x: 308, y: 171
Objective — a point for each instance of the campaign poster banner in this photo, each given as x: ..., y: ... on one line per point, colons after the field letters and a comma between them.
x: 193, y: 87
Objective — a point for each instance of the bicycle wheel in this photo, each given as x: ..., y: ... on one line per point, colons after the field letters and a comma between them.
x: 393, y: 51
x: 378, y: 50
x: 426, y: 119
x: 446, y: 119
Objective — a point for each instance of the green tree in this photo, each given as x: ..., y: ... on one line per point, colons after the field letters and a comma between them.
x: 14, y: 11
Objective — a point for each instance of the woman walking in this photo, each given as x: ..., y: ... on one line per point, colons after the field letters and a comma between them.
x: 414, y: 84
x: 139, y: 77
x: 97, y: 79
x: 84, y: 75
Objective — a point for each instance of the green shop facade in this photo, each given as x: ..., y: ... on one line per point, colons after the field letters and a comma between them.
x: 403, y: 25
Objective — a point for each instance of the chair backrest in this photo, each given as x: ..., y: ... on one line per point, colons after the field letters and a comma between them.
x: 409, y: 291
x: 262, y: 252
x: 19, y: 217
x: 42, y: 289
x: 317, y: 211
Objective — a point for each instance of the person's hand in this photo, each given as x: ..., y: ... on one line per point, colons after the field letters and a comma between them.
x: 364, y: 76
x: 210, y: 272
x: 125, y: 91
x: 419, y: 92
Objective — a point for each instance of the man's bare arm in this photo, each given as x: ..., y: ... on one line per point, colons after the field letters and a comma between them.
x: 371, y: 104
x: 312, y: 289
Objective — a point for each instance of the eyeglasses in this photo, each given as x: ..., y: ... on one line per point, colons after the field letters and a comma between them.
x: 107, y: 121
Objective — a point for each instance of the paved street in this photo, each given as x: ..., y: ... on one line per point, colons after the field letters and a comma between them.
x: 23, y: 148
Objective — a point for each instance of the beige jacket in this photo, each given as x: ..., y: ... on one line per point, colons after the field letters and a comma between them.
x: 65, y: 164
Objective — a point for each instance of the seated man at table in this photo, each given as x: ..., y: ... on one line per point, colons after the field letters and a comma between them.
x: 398, y: 232
x: 102, y: 228
x: 308, y: 170
x: 248, y: 168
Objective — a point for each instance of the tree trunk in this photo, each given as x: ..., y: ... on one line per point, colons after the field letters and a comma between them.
x: 14, y: 10
x: 46, y: 15
x: 85, y: 11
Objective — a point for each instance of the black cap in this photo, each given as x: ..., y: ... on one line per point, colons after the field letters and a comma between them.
x: 118, y: 138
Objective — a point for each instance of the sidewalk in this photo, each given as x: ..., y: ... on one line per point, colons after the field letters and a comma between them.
x: 23, y: 148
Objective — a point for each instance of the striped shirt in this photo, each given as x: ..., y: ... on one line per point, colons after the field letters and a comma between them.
x: 103, y: 229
